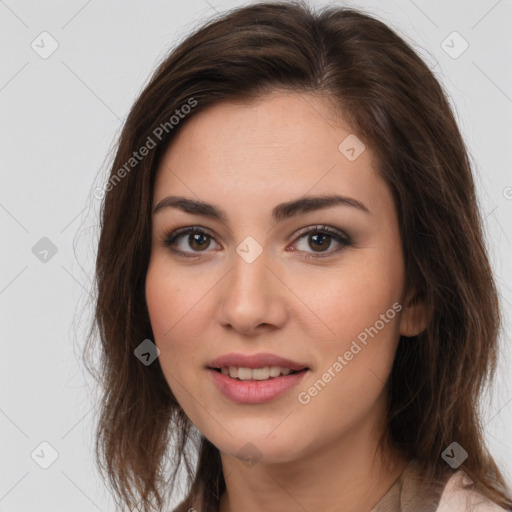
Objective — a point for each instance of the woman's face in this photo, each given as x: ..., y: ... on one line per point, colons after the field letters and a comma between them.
x: 270, y: 271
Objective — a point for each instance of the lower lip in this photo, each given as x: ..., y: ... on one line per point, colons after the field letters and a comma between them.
x: 255, y: 391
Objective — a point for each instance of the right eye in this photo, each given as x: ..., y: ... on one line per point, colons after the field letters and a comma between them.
x: 198, y: 240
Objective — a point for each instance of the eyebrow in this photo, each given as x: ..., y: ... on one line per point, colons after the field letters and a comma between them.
x: 280, y: 212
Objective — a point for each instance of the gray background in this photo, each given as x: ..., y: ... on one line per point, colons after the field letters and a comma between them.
x: 59, y: 118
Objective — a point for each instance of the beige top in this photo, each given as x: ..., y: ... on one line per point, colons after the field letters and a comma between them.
x: 406, y: 495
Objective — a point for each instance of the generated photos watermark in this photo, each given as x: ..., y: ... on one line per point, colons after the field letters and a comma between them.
x: 137, y: 156
x: 305, y: 397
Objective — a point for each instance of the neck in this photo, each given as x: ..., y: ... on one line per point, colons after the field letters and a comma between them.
x: 348, y: 474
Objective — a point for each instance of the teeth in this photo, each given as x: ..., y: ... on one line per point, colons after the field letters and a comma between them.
x: 255, y: 373
x: 275, y: 371
x: 259, y: 373
x: 243, y: 373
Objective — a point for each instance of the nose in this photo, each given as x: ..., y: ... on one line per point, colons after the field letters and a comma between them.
x: 252, y: 298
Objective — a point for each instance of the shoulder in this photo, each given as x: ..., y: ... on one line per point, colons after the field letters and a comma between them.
x: 456, y: 497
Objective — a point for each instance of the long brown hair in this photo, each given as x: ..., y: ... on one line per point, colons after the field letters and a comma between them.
x: 395, y: 105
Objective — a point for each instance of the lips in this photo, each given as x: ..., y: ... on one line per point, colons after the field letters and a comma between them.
x: 253, y: 392
x: 255, y: 361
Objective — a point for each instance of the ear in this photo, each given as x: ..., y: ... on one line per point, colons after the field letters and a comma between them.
x: 414, y: 318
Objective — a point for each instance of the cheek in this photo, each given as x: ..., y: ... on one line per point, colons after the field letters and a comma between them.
x: 346, y: 301
x: 162, y: 294
x: 361, y: 307
x: 174, y: 308
x: 177, y: 309
x: 349, y: 381
x: 164, y: 298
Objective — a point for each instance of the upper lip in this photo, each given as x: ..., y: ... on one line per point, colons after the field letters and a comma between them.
x: 255, y: 361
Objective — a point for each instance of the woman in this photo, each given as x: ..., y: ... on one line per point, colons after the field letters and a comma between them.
x: 292, y: 279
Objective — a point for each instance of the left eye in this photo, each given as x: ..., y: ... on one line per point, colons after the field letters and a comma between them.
x: 318, y: 238
x: 321, y: 238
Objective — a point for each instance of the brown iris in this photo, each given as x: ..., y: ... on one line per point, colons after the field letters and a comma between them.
x: 321, y: 238
x: 201, y: 240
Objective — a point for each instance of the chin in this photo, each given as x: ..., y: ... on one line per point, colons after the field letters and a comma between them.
x: 257, y: 447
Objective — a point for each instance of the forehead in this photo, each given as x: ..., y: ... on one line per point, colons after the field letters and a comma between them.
x: 280, y: 146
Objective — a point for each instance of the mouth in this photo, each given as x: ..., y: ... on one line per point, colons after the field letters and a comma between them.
x: 255, y: 378
x: 251, y: 386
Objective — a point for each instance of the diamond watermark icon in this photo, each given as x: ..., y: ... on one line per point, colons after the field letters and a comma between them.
x: 454, y: 45
x: 44, y: 455
x: 249, y: 249
x: 44, y: 45
x: 44, y: 250
x: 249, y: 454
x: 454, y: 455
x: 147, y: 352
x: 351, y: 147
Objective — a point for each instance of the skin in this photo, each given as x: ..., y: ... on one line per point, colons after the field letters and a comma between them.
x: 246, y: 159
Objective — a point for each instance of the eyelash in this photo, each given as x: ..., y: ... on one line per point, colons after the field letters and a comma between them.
x: 343, y: 240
